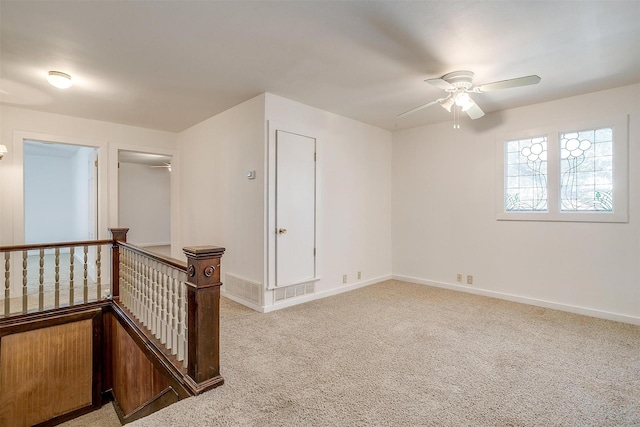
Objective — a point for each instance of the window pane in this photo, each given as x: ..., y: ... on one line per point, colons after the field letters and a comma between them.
x: 586, y: 170
x: 525, y: 178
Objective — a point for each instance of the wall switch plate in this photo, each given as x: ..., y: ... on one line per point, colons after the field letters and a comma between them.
x: 469, y: 280
x: 344, y: 278
x: 459, y: 277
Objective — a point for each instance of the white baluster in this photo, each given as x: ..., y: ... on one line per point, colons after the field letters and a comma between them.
x: 174, y: 312
x: 165, y: 311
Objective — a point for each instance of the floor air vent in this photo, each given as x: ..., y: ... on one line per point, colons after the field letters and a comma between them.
x: 294, y: 291
x: 243, y: 288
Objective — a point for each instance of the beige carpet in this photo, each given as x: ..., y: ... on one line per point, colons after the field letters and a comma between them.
x: 103, y: 417
x: 400, y: 354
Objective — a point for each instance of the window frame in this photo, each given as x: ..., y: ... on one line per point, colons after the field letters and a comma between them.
x: 620, y: 212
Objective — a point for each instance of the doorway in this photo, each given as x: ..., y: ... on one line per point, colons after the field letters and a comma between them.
x: 60, y: 192
x: 60, y: 205
x: 144, y: 199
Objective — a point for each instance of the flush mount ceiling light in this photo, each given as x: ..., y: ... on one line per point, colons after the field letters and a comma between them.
x: 59, y: 79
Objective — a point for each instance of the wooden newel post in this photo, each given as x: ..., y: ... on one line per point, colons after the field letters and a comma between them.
x: 203, y: 309
x: 117, y: 235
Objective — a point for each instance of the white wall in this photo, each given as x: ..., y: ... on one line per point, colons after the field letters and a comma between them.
x: 56, y: 202
x: 16, y: 123
x: 145, y: 203
x: 50, y: 199
x: 222, y: 207
x: 354, y: 195
x: 444, y: 198
x: 219, y: 205
x: 82, y: 195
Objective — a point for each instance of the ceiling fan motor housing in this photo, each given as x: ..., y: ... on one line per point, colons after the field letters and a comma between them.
x: 459, y: 79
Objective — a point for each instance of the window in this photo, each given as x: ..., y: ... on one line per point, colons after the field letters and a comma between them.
x: 575, y: 173
x: 526, y: 175
x: 586, y: 170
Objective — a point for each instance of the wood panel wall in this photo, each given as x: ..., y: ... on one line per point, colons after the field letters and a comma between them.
x: 59, y: 365
x: 135, y: 380
x: 47, y: 369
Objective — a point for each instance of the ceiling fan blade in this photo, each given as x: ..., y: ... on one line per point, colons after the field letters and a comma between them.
x: 474, y: 112
x: 441, y: 84
x: 506, y: 84
x: 413, y: 110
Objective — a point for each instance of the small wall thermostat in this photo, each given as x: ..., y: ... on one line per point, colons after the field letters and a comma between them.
x: 251, y: 175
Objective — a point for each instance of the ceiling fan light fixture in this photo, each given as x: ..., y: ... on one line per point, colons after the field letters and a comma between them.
x: 462, y: 99
x: 59, y: 79
x: 458, y: 85
x: 447, y: 104
x: 468, y: 104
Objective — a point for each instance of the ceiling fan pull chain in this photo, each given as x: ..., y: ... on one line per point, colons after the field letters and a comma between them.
x: 456, y: 117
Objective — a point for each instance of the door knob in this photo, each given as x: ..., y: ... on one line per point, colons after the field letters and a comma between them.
x: 282, y: 231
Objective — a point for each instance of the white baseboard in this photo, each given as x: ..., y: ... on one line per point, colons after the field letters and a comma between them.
x: 241, y: 301
x: 328, y: 293
x: 524, y: 300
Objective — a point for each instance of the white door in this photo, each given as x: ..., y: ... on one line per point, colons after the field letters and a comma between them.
x: 295, y: 208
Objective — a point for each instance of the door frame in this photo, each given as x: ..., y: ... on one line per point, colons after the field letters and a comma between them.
x: 18, y: 207
x: 270, y: 201
x: 19, y: 137
x: 114, y: 149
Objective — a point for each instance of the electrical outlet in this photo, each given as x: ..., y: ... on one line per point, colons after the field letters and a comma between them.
x: 469, y: 280
x: 459, y: 277
x: 359, y: 275
x: 344, y: 278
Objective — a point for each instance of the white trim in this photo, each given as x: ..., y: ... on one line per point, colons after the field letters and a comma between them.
x: 114, y: 149
x: 241, y: 301
x: 18, y: 154
x: 524, y: 300
x: 325, y: 294
x: 270, y: 236
x: 312, y: 279
x: 620, y: 126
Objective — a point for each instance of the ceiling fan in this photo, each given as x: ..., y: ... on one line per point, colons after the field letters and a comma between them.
x: 459, y: 84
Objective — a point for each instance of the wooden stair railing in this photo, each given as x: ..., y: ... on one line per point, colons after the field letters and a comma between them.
x: 68, y: 279
x: 131, y: 351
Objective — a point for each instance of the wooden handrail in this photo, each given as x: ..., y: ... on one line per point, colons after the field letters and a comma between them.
x: 197, y: 294
x: 173, y: 293
x: 176, y: 263
x: 80, y: 278
x: 202, y: 271
x: 28, y: 247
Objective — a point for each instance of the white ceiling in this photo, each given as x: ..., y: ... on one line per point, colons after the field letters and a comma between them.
x: 169, y: 65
